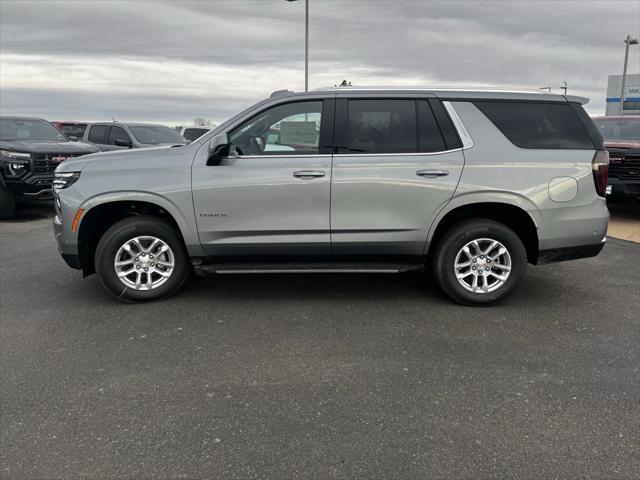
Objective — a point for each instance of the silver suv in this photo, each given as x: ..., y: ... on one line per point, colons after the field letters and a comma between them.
x: 474, y: 184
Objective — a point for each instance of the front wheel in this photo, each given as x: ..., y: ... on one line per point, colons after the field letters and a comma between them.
x: 478, y: 262
x: 140, y: 259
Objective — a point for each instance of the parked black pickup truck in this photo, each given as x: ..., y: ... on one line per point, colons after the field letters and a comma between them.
x: 622, y: 139
x: 30, y: 150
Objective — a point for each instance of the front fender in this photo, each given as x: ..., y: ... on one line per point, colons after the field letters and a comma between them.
x: 185, y: 221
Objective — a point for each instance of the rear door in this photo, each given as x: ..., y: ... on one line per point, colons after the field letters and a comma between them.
x: 398, y: 162
x: 273, y: 198
x: 98, y: 135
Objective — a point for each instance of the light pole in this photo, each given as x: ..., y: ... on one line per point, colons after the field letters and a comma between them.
x: 628, y: 41
x: 306, y: 44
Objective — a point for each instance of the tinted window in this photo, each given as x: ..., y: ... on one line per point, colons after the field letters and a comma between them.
x: 619, y: 129
x: 18, y: 129
x: 98, y: 134
x: 73, y: 130
x: 118, y: 133
x: 289, y: 129
x: 382, y: 126
x: 538, y: 125
x: 193, y: 133
x: 429, y: 136
x: 157, y: 134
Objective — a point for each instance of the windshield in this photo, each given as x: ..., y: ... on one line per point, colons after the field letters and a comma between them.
x: 619, y: 129
x: 157, y: 134
x: 12, y: 129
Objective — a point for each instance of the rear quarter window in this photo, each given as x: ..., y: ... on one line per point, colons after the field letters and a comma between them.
x: 538, y: 125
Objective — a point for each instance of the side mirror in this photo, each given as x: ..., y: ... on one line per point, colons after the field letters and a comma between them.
x: 219, y: 149
x: 123, y: 143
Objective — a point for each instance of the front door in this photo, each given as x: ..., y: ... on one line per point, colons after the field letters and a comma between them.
x: 393, y: 171
x: 274, y: 197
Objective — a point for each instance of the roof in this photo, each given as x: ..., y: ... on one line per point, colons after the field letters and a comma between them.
x: 443, y: 92
x: 129, y: 124
x: 17, y: 117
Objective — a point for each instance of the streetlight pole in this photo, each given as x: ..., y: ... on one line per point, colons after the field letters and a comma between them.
x: 306, y: 44
x: 628, y: 41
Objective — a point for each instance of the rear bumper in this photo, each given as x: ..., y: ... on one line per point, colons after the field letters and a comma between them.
x: 570, y: 253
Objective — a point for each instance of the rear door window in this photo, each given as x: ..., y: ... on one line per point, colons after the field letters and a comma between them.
x: 98, y: 134
x: 538, y: 124
x: 381, y: 126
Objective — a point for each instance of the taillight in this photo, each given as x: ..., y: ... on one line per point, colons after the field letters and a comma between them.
x: 600, y: 166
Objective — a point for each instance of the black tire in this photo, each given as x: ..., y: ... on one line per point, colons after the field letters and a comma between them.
x: 121, y: 232
x: 7, y: 203
x: 460, y: 235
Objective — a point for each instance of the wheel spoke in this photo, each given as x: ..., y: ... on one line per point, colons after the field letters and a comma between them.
x: 461, y: 275
x: 164, y: 263
x: 150, y: 248
x: 500, y: 266
x: 462, y: 265
x: 124, y: 273
x: 490, y: 247
x: 474, y: 285
x: 502, y: 278
x: 136, y: 242
x: 501, y: 251
x: 122, y: 263
x: 138, y: 280
x: 163, y: 273
x: 485, y: 283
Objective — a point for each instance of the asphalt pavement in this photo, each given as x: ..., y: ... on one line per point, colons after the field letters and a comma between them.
x: 316, y: 376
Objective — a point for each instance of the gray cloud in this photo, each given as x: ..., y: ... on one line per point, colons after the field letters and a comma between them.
x: 173, y: 61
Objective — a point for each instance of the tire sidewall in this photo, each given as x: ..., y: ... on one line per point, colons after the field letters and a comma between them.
x: 462, y: 236
x: 117, y: 236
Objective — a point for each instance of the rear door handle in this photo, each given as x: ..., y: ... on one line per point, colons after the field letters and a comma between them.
x: 308, y: 174
x: 432, y: 173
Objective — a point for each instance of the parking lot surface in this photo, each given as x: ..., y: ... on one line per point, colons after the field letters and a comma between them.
x: 317, y: 376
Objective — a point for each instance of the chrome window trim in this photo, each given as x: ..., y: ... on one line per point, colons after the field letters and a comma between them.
x: 414, y: 154
x: 311, y: 155
x: 465, y: 137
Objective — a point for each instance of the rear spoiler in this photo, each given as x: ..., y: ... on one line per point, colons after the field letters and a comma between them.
x: 576, y: 99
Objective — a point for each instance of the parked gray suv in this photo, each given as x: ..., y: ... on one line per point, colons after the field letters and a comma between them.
x: 120, y: 136
x: 474, y: 184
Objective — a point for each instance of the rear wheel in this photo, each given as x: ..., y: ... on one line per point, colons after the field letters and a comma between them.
x: 7, y: 203
x: 140, y: 259
x: 478, y: 262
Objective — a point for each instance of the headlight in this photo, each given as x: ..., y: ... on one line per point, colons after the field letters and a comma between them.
x: 64, y: 180
x: 16, y: 155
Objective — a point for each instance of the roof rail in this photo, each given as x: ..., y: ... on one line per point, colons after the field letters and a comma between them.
x: 279, y: 93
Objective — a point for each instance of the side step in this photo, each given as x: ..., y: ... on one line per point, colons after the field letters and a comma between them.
x: 357, y: 267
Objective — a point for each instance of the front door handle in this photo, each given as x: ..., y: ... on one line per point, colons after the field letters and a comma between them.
x: 308, y: 174
x: 432, y: 173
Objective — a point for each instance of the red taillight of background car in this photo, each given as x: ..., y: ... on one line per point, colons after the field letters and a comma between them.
x: 600, y: 166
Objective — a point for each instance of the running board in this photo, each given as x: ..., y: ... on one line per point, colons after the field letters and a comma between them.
x: 369, y: 267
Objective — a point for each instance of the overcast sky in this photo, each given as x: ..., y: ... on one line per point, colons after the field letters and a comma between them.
x: 170, y: 62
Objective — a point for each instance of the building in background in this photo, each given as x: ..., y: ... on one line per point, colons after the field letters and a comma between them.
x: 631, y: 95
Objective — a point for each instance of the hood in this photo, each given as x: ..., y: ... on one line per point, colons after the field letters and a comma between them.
x: 38, y: 146
x: 621, y: 144
x: 130, y: 155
